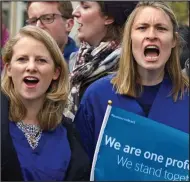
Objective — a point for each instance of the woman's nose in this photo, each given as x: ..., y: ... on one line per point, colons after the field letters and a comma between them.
x: 151, y: 34
x: 31, y: 66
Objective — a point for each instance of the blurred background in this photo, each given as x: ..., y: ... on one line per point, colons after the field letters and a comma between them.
x: 14, y: 15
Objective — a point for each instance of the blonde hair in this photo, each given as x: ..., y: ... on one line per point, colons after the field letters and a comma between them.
x: 50, y: 114
x: 127, y: 75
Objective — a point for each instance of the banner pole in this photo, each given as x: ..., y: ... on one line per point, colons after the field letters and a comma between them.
x: 106, y: 116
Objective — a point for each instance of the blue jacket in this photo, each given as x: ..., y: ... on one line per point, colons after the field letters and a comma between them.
x: 92, y: 108
x: 70, y: 47
x: 78, y: 169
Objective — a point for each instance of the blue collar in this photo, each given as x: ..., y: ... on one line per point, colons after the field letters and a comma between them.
x: 69, y: 48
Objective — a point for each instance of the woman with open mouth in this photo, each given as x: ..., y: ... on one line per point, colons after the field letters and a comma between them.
x: 38, y: 142
x: 149, y: 81
x: 100, y: 31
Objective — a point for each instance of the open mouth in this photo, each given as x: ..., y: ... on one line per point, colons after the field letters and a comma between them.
x: 31, y: 81
x: 80, y: 25
x: 151, y: 51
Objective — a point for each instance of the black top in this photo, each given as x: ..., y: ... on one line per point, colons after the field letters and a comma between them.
x: 147, y: 97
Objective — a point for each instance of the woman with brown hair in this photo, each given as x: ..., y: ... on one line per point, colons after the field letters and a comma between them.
x: 100, y: 32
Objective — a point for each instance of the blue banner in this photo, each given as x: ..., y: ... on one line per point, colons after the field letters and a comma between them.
x: 132, y: 147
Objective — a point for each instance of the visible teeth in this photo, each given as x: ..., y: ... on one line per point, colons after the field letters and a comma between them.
x: 29, y: 78
x: 152, y: 47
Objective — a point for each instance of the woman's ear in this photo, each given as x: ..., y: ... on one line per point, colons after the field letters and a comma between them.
x: 56, y: 74
x: 8, y: 69
x: 108, y: 20
x: 176, y: 36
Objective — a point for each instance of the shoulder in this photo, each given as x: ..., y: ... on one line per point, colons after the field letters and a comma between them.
x: 101, y: 88
x: 71, y: 131
x: 95, y: 98
x: 72, y: 60
x: 100, y: 84
x: 71, y: 41
x: 114, y: 54
x: 4, y: 99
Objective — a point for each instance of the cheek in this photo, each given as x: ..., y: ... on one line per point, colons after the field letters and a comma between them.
x: 134, y: 41
x: 16, y: 77
x: 16, y: 82
x: 53, y: 29
x: 168, y: 41
x: 136, y: 48
x: 13, y: 71
x: 167, y: 47
x: 48, y: 74
x: 50, y: 28
x: 90, y: 18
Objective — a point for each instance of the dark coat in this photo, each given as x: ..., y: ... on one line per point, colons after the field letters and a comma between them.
x: 79, y: 169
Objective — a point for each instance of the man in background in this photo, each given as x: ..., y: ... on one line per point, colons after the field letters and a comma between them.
x: 56, y: 18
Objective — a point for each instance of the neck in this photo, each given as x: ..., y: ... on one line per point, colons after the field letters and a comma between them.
x: 95, y: 43
x: 62, y: 46
x: 96, y: 40
x: 33, y: 108
x: 151, y: 77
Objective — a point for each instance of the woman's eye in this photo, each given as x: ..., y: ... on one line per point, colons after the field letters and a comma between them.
x: 42, y: 60
x: 85, y: 6
x: 161, y: 28
x: 21, y: 59
x: 141, y: 28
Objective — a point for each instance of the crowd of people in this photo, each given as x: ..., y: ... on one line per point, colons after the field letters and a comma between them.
x: 54, y: 94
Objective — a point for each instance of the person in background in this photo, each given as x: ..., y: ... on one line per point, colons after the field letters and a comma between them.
x: 149, y: 81
x: 100, y: 32
x: 56, y: 18
x: 38, y: 142
x: 186, y: 68
x: 184, y: 44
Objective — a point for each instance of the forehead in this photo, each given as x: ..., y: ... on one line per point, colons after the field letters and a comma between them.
x: 35, y: 46
x: 40, y: 8
x: 151, y: 15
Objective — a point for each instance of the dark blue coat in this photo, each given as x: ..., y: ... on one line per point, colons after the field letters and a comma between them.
x: 91, y: 112
x: 78, y: 170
